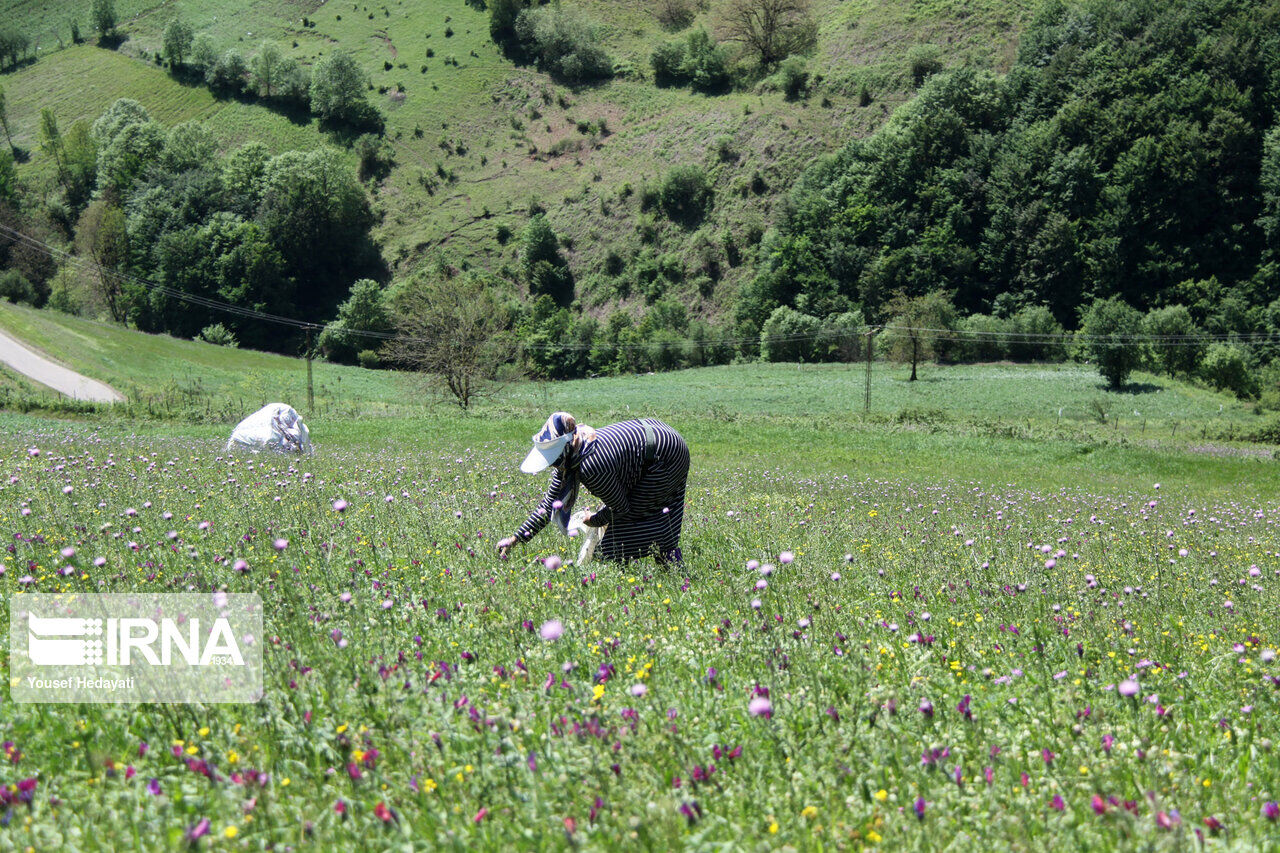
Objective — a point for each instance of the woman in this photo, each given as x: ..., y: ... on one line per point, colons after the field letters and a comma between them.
x: 637, y: 468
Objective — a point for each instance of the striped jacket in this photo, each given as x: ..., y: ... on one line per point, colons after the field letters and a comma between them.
x: 611, y: 466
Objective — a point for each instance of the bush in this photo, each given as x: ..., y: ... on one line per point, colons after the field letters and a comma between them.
x: 218, y: 334
x: 229, y: 73
x: 1226, y: 367
x: 369, y: 358
x: 685, y: 194
x: 980, y: 338
x: 1037, y: 335
x: 789, y: 335
x: 697, y: 62
x: 667, y: 61
x: 15, y: 287
x: 564, y: 45
x: 1182, y: 353
x: 924, y: 60
x: 792, y: 78
x: 675, y: 14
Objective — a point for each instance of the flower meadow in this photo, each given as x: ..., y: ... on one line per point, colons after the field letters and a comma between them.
x: 841, y: 662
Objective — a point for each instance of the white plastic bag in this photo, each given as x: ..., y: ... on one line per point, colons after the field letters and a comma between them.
x: 276, y: 426
x: 589, y: 537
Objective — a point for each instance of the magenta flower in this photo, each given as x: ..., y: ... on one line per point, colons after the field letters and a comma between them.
x: 920, y: 807
x: 1047, y: 755
x: 786, y: 557
x: 198, y: 831
x: 551, y: 630
x: 241, y: 566
x: 1058, y: 803
x: 760, y: 706
x: 1128, y: 687
x: 340, y: 505
x: 1271, y: 810
x: 280, y: 544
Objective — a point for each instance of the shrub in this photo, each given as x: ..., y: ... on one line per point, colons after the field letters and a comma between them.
x: 228, y: 73
x: 369, y: 358
x: 1226, y: 367
x: 685, y: 194
x: 675, y: 14
x: 789, y: 335
x: 1037, y: 335
x: 924, y: 60
x: 15, y: 287
x: 792, y: 78
x: 218, y: 334
x: 565, y: 45
x: 667, y: 61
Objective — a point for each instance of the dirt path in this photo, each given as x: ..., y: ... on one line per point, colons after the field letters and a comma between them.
x: 61, y: 379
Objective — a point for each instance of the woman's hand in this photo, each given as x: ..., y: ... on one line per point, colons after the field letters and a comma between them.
x: 505, y: 545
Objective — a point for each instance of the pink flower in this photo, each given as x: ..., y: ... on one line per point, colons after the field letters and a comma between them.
x: 786, y: 557
x: 760, y: 706
x: 280, y: 544
x: 1128, y: 687
x: 551, y: 630
x: 198, y: 831
x: 553, y: 562
x: 340, y: 505
x: 1058, y: 802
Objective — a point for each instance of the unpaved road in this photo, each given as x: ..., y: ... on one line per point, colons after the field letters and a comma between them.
x: 31, y: 364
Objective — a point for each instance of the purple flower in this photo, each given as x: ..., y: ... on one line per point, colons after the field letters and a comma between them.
x: 760, y: 706
x: 919, y: 807
x: 551, y: 630
x: 1058, y: 803
x: 198, y: 831
x: 1271, y: 810
x: 153, y: 787
x: 553, y: 562
x: 786, y: 557
x: 340, y: 505
x: 280, y: 544
x: 926, y: 707
x: 1128, y: 687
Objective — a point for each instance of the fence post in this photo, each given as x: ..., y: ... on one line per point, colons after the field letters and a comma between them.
x: 311, y: 394
x: 866, y: 401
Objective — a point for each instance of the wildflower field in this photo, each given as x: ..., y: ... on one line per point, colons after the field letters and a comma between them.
x: 845, y: 660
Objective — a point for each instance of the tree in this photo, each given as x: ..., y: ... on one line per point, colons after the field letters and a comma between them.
x: 177, y: 39
x: 266, y: 68
x: 338, y: 88
x: 456, y: 331
x: 104, y: 17
x: 190, y: 145
x: 789, y: 335
x: 1111, y: 328
x: 102, y: 236
x: 8, y: 178
x: 242, y: 172
x: 51, y: 143
x: 770, y: 29
x: 1226, y: 367
x: 543, y: 267
x: 917, y: 326
x: 364, y: 311
x: 204, y: 54
x: 4, y: 122
x: 1183, y: 347
x: 502, y: 22
x: 685, y: 194
x: 228, y: 73
x: 566, y: 45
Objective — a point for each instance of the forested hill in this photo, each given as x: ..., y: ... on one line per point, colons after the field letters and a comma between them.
x: 1132, y: 151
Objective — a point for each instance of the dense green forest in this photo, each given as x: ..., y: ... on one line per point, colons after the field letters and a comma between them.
x: 1121, y: 179
x: 1131, y: 152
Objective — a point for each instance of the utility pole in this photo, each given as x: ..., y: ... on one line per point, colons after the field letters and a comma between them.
x: 871, y: 341
x: 311, y: 395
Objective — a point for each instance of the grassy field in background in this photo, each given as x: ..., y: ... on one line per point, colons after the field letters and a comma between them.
x: 982, y: 422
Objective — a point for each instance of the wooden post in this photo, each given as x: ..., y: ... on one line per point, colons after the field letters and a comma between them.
x: 871, y: 338
x: 311, y: 394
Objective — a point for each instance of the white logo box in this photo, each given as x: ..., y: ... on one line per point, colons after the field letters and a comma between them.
x: 135, y: 647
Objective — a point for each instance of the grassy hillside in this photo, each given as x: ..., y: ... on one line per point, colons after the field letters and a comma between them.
x: 479, y: 140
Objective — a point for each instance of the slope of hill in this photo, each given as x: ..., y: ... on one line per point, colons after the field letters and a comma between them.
x: 478, y: 140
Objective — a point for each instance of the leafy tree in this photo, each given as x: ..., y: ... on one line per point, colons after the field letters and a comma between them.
x: 502, y: 22
x: 1270, y: 180
x: 8, y: 178
x: 770, y: 29
x: 177, y: 39
x: 229, y: 73
x: 294, y: 82
x: 190, y: 145
x: 364, y: 311
x: 14, y: 45
x: 792, y: 77
x: 1037, y: 335
x: 542, y: 266
x: 455, y: 330
x: 104, y: 17
x: 917, y: 326
x: 4, y: 122
x: 1182, y: 352
x: 101, y: 235
x: 667, y: 61
x: 564, y: 44
x: 338, y: 89
x: 267, y: 67
x: 242, y: 173
x: 1111, y: 329
x: 316, y: 213
x: 204, y: 53
x: 789, y: 335
x: 1226, y: 367
x: 51, y: 142
x: 14, y: 287
x: 123, y: 158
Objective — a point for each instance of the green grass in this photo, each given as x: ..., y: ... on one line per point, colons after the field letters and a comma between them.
x: 964, y: 420
x: 388, y: 625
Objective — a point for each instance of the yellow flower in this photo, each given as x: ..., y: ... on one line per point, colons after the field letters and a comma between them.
x: 204, y: 731
x: 809, y: 812
x: 874, y: 837
x: 342, y: 728
x: 597, y: 692
x: 230, y: 832
x: 233, y: 757
x: 357, y: 755
x: 773, y: 827
x: 284, y: 783
x: 882, y: 795
x: 430, y: 784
